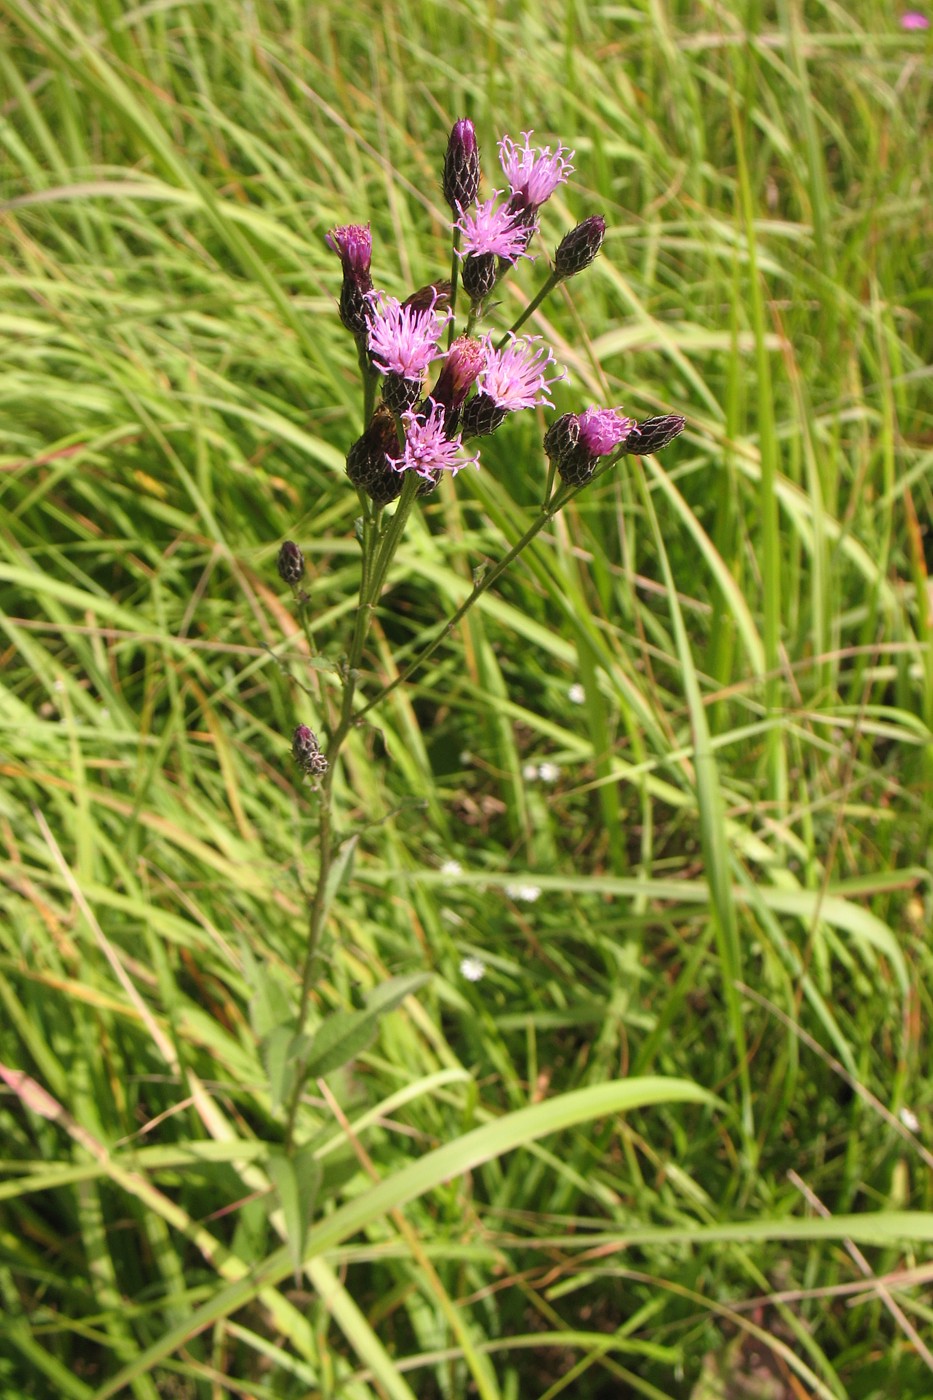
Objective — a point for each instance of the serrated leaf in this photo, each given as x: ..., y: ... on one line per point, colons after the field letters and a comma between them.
x: 388, y: 995
x: 340, y: 1039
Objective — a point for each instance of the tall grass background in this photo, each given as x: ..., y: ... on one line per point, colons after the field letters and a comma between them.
x: 672, y: 1143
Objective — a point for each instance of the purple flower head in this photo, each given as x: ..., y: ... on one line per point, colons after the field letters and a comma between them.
x: 461, y: 166
x: 493, y: 230
x: 427, y: 449
x: 533, y: 173
x: 404, y: 340
x: 353, y: 244
x: 516, y: 376
x: 465, y: 360
x: 914, y: 19
x: 602, y: 430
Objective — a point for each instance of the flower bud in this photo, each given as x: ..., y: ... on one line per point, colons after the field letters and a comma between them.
x: 369, y: 464
x: 306, y: 751
x: 479, y: 275
x: 465, y: 359
x: 579, y: 247
x: 562, y: 438
x: 461, y: 166
x: 290, y: 563
x: 353, y: 245
x: 652, y: 434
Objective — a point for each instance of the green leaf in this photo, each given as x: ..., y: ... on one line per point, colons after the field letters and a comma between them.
x: 388, y: 995
x: 340, y: 1039
x: 282, y: 1052
x: 297, y: 1180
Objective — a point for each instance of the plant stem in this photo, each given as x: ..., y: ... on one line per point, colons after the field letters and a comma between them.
x: 454, y: 283
x: 548, y: 511
x: 378, y: 553
x: 532, y: 306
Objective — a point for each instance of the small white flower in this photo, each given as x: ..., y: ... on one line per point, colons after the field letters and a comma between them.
x: 473, y: 969
x: 466, y: 758
x: 58, y: 686
x: 451, y: 867
x: 577, y: 694
x: 909, y: 1119
x: 527, y: 893
x: 530, y: 772
x: 549, y: 772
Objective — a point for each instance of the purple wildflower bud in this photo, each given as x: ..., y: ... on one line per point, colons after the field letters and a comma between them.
x: 562, y: 438
x: 403, y: 340
x: 461, y: 166
x: 533, y: 173
x: 914, y: 20
x: 651, y: 434
x: 465, y: 360
x: 353, y: 245
x: 479, y: 275
x: 493, y: 229
x: 427, y: 448
x: 290, y: 563
x: 369, y: 461
x: 579, y: 247
x: 306, y: 751
x: 516, y: 376
x: 435, y: 296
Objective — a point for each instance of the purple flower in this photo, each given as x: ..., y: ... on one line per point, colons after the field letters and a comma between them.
x: 427, y: 450
x: 493, y: 230
x: 602, y: 430
x: 404, y: 340
x: 533, y: 173
x: 914, y: 19
x: 353, y: 244
x: 516, y: 376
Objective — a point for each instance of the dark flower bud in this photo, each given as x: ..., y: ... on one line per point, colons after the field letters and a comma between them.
x: 651, y: 435
x: 573, y: 459
x: 290, y: 563
x: 482, y: 416
x: 399, y: 393
x: 434, y: 297
x: 479, y: 275
x: 369, y: 464
x: 306, y: 751
x: 465, y: 359
x: 356, y: 310
x: 562, y: 438
x: 461, y: 166
x: 579, y: 247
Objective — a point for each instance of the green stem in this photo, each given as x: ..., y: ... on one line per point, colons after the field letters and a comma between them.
x: 532, y: 306
x: 548, y: 511
x: 454, y: 284
x: 377, y: 556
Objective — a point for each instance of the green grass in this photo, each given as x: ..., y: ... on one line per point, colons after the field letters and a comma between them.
x: 663, y: 1132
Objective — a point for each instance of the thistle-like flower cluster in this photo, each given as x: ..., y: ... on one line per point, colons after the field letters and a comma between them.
x: 477, y: 384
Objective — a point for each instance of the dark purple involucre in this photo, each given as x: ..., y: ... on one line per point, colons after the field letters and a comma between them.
x: 290, y: 563
x: 306, y: 751
x: 579, y: 247
x: 369, y: 461
x: 461, y: 166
